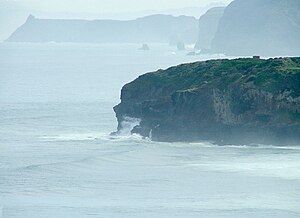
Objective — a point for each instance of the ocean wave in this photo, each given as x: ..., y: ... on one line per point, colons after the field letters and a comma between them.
x: 72, y: 137
x: 265, y: 146
x: 126, y: 136
x: 92, y: 137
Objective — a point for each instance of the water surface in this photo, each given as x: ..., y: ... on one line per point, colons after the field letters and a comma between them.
x: 58, y: 160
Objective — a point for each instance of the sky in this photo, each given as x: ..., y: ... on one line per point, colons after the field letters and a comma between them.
x: 112, y: 6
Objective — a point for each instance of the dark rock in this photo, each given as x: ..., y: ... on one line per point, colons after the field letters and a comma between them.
x: 144, y: 47
x: 239, y: 101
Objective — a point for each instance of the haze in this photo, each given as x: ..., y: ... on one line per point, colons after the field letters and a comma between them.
x: 108, y: 6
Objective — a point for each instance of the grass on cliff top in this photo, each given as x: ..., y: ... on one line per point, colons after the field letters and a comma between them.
x: 272, y: 75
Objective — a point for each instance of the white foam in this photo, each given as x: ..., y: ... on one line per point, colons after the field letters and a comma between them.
x: 73, y: 137
x: 127, y: 125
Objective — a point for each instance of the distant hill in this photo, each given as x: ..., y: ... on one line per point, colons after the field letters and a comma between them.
x: 208, y: 25
x: 262, y: 27
x: 12, y: 15
x: 154, y: 28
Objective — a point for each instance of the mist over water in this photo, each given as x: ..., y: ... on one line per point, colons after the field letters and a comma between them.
x: 59, y: 160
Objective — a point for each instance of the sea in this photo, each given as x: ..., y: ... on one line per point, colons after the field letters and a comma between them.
x: 57, y: 158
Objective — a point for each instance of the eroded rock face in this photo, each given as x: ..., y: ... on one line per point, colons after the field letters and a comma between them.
x: 226, y: 101
x: 208, y: 26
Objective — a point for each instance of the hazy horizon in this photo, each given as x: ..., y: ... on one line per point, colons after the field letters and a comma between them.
x: 109, y: 6
x: 13, y: 13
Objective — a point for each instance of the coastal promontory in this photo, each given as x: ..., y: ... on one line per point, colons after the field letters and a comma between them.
x: 240, y: 101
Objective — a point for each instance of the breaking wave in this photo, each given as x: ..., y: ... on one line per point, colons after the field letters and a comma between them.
x: 127, y: 125
x: 123, y: 134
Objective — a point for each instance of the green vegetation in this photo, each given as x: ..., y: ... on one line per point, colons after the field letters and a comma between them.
x: 272, y: 75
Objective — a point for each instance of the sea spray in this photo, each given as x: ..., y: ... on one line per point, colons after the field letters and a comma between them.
x: 150, y: 134
x: 127, y: 125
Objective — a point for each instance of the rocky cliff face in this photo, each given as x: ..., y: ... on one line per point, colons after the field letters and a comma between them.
x: 208, y: 25
x: 263, y: 27
x: 225, y: 101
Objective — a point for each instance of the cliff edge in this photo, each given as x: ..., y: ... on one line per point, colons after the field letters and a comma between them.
x: 239, y: 101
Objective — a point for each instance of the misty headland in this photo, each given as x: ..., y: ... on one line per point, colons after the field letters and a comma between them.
x: 207, y: 124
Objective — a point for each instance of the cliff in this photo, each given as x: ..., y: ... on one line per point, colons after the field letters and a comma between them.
x: 155, y: 28
x: 237, y: 101
x: 259, y: 27
x: 208, y: 25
